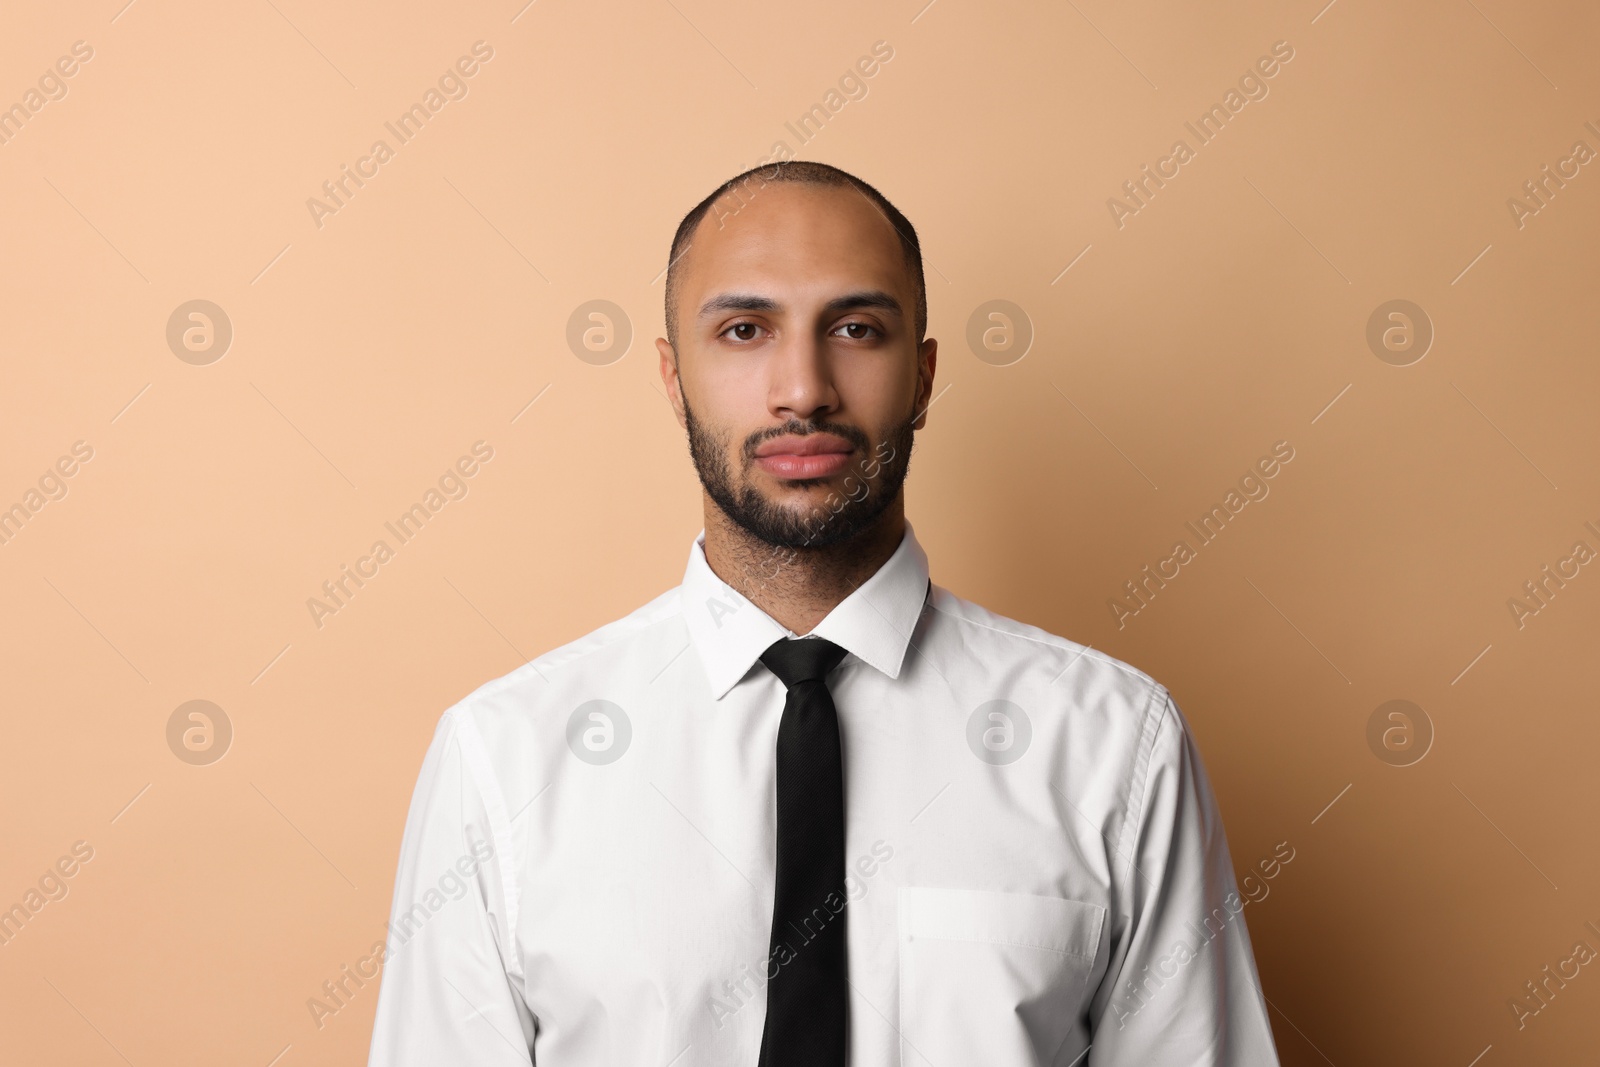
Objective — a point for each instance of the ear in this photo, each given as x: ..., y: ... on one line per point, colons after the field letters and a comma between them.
x: 927, y: 362
x: 669, y: 378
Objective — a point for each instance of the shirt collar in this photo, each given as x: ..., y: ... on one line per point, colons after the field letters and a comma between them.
x: 874, y: 622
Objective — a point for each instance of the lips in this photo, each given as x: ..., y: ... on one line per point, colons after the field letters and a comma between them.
x: 795, y: 457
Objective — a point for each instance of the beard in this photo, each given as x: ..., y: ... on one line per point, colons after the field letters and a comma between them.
x: 840, y: 519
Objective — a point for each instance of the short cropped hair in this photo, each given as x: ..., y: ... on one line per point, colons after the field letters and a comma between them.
x: 805, y: 173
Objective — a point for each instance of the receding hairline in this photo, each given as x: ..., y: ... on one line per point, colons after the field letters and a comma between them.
x: 802, y: 173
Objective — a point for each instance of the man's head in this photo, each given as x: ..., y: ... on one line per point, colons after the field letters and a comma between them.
x: 796, y: 315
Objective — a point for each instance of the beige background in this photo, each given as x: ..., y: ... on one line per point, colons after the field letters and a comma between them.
x: 426, y: 314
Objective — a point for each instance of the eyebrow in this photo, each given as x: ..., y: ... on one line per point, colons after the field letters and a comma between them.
x: 866, y: 298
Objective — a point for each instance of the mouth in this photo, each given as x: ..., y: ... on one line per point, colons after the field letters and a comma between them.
x: 794, y: 457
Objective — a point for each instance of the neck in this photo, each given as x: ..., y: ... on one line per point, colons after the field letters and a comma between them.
x: 798, y: 587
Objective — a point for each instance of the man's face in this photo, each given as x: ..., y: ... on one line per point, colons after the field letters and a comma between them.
x: 797, y: 351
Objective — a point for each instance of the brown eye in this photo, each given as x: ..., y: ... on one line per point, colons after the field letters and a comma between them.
x: 740, y: 326
x: 869, y: 330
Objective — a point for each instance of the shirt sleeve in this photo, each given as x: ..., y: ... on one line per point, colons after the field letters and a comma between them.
x: 448, y: 994
x: 1185, y: 990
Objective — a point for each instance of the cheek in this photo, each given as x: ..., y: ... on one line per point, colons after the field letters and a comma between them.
x: 717, y: 403
x: 877, y: 393
x: 728, y: 394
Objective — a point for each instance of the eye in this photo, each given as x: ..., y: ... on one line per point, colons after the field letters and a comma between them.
x: 742, y: 327
x: 871, y: 331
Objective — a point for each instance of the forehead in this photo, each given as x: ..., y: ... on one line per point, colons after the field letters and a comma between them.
x: 791, y: 236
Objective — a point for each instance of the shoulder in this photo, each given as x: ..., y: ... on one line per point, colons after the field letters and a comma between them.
x: 1098, y: 717
x: 1083, y: 669
x: 509, y: 705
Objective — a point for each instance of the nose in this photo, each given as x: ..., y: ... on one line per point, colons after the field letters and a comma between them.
x: 800, y: 379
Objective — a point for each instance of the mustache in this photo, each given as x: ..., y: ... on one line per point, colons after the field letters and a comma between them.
x: 853, y: 434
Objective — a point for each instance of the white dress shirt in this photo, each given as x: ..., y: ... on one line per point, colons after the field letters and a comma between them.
x: 1038, y: 871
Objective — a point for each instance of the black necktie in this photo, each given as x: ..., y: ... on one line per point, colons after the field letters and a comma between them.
x: 808, y: 999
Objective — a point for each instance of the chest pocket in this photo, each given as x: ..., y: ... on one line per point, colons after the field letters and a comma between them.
x: 997, y: 979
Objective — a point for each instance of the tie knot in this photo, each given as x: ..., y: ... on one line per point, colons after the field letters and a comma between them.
x: 802, y: 659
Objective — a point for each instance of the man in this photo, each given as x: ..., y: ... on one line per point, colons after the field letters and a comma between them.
x: 809, y: 807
